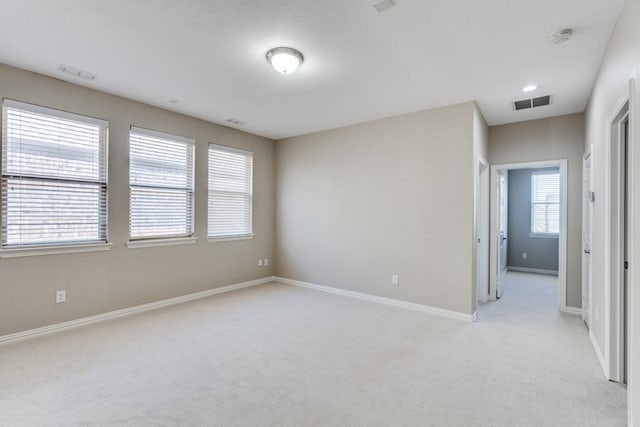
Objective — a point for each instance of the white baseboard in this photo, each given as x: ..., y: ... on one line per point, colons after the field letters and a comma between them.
x: 573, y: 310
x: 599, y: 355
x: 533, y: 270
x: 128, y: 311
x: 381, y: 300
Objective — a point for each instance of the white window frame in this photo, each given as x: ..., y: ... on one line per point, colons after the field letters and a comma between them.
x: 537, y: 234
x: 50, y: 247
x: 211, y: 237
x: 161, y: 240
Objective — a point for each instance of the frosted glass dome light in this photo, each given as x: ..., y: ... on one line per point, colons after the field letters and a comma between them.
x: 284, y: 60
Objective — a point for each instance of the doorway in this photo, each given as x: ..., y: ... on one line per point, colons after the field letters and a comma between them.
x: 587, y: 215
x: 541, y: 222
x: 619, y: 247
x: 482, y: 230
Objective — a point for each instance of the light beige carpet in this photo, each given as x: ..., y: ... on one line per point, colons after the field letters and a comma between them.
x: 276, y: 355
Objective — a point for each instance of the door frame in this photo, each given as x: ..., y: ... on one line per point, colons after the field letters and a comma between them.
x: 614, y: 239
x: 562, y: 237
x: 482, y: 211
x: 587, y: 204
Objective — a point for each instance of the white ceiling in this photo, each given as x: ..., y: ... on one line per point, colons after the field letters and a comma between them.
x: 359, y: 64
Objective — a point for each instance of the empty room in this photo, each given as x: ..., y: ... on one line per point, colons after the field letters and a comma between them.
x: 330, y: 213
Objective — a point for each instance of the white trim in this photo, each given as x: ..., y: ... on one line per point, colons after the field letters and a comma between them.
x: 562, y: 240
x: 533, y: 270
x: 599, y: 355
x: 613, y: 244
x: 213, y: 239
x: 573, y: 310
x: 161, y: 135
x: 633, y: 304
x: 38, y: 109
x: 151, y: 243
x: 482, y: 186
x: 381, y: 300
x: 128, y: 311
x: 53, y: 250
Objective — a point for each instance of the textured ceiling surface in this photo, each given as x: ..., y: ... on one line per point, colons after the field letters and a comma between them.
x: 359, y: 64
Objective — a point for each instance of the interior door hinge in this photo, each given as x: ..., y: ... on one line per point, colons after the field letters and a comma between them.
x: 626, y: 265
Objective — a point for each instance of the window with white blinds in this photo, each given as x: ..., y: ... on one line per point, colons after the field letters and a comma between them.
x: 230, y: 192
x: 545, y: 203
x: 160, y: 185
x: 54, y: 177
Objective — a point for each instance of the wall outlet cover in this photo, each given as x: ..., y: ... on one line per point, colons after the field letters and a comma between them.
x: 61, y: 296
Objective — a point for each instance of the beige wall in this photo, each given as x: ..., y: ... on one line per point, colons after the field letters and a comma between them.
x: 394, y: 196
x: 550, y: 139
x: 620, y: 65
x: 103, y: 281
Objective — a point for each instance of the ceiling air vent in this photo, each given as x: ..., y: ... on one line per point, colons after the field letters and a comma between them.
x: 236, y: 122
x: 541, y: 101
x: 532, y: 103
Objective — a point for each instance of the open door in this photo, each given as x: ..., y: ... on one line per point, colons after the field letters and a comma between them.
x: 587, y: 210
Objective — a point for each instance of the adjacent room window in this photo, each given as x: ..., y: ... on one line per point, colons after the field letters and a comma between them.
x: 160, y: 185
x: 54, y: 177
x: 230, y: 192
x: 545, y: 203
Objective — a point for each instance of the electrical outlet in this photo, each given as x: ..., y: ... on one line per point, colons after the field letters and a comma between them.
x: 265, y: 262
x: 260, y: 263
x: 394, y: 279
x: 524, y: 255
x: 61, y: 296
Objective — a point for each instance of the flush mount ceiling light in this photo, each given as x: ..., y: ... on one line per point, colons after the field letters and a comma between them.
x: 284, y: 60
x: 561, y: 36
x: 529, y: 88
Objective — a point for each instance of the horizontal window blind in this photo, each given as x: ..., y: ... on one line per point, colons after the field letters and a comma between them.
x: 54, y: 177
x: 545, y: 203
x: 161, y: 185
x: 230, y: 191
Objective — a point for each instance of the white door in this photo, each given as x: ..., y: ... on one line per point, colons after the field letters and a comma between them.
x: 503, y: 207
x: 587, y: 211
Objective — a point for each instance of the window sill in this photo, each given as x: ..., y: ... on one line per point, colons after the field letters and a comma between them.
x: 230, y: 238
x: 53, y: 250
x: 152, y: 243
x: 544, y: 236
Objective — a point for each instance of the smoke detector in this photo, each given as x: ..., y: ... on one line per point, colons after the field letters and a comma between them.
x: 561, y: 36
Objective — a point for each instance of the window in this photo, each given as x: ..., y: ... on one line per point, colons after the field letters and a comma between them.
x: 545, y: 203
x: 160, y: 185
x: 54, y: 178
x: 230, y: 192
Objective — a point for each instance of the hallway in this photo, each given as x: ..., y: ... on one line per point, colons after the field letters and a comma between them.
x: 542, y: 346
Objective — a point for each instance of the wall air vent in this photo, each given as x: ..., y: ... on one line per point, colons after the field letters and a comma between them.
x: 76, y: 72
x: 525, y: 104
